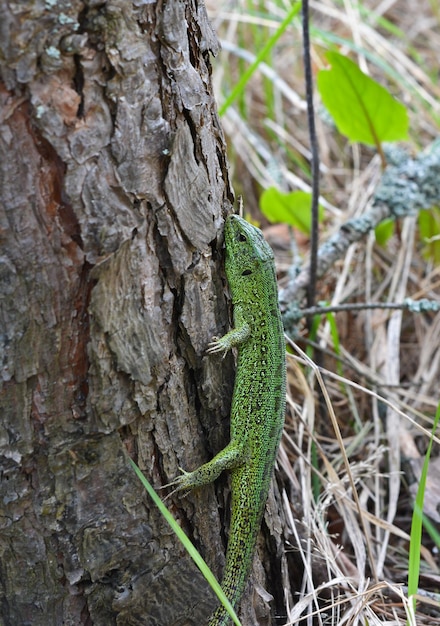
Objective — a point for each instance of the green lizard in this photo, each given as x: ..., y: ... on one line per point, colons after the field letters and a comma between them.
x: 258, y: 402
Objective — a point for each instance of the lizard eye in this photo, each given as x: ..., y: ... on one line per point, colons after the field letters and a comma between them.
x: 242, y: 237
x: 246, y: 273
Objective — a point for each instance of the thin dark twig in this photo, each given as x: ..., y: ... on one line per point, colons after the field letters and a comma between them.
x: 416, y: 306
x: 311, y: 291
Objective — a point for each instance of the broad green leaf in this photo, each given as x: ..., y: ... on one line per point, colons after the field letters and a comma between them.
x: 384, y: 231
x: 292, y: 208
x: 362, y: 109
x: 429, y: 227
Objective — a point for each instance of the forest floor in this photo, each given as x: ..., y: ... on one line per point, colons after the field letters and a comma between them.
x: 364, y: 384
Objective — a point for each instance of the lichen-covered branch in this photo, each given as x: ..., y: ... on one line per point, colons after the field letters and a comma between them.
x: 407, y: 186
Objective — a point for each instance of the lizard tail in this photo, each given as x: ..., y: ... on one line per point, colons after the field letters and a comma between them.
x: 239, y: 559
x: 219, y: 617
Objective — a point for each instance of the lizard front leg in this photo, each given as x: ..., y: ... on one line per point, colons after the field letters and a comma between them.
x: 235, y: 337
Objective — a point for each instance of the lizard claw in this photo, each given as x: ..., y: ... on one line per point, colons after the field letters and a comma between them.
x: 216, y: 347
x: 178, y: 483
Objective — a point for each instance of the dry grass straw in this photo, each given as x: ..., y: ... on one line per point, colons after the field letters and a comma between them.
x: 371, y: 426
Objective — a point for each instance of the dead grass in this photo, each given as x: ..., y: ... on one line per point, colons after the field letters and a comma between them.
x: 367, y: 411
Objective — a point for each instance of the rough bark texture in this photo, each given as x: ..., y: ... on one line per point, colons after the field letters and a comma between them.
x: 113, y: 190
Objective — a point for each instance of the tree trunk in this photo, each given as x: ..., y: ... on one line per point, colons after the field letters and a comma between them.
x: 114, y: 185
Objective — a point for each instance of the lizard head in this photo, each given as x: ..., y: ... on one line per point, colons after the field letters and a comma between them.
x: 248, y: 255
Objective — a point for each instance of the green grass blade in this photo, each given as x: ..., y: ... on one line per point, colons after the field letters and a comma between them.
x: 417, y: 520
x: 431, y: 530
x: 189, y: 547
x: 244, y: 79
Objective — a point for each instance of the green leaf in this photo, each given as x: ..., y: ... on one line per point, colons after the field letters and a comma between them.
x: 362, y: 109
x: 292, y: 208
x: 429, y: 227
x: 384, y: 231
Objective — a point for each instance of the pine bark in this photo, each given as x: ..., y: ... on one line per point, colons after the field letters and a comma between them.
x: 114, y: 185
